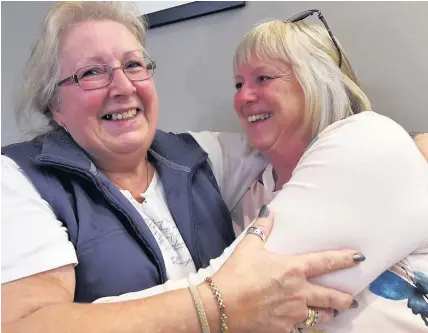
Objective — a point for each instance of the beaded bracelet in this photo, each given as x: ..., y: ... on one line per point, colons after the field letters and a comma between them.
x: 200, y: 309
x: 221, y: 304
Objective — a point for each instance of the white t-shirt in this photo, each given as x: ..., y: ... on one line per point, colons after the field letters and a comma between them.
x: 154, y: 210
x: 367, y: 162
x: 34, y: 241
x: 383, y: 304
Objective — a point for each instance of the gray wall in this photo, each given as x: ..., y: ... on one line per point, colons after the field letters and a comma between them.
x: 20, y: 22
x: 386, y: 41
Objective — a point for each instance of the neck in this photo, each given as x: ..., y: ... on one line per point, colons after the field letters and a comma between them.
x: 134, y: 177
x: 284, y: 158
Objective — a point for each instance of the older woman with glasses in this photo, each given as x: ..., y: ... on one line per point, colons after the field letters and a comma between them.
x: 105, y: 204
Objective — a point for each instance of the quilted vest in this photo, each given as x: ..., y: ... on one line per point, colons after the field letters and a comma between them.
x: 116, y: 251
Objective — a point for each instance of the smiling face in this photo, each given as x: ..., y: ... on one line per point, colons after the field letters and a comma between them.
x: 270, y: 103
x: 92, y: 117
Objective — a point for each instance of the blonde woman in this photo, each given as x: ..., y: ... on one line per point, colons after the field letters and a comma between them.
x: 300, y: 103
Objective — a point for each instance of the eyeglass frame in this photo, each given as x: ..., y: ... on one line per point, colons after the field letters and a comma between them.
x: 301, y: 16
x: 72, y: 79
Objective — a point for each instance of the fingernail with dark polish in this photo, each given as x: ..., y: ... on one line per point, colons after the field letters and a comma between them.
x: 264, y: 211
x: 359, y: 258
x: 335, y: 313
x: 354, y: 304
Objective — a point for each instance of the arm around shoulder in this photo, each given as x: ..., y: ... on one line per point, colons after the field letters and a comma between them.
x: 234, y: 163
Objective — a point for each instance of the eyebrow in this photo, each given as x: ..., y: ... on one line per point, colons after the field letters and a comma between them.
x: 96, y: 58
x: 101, y: 60
x: 139, y: 51
x: 257, y: 70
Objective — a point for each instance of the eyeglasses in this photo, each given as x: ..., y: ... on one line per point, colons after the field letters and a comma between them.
x: 99, y: 76
x: 305, y: 14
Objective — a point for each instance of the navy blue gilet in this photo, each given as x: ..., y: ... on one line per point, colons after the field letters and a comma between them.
x: 116, y: 251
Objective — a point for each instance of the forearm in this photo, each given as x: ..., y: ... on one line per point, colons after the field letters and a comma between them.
x: 172, y: 312
x: 194, y: 278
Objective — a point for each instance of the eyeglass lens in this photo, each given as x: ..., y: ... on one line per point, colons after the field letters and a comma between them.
x: 97, y: 76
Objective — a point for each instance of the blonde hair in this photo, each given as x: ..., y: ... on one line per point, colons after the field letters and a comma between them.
x: 41, y: 74
x: 331, y: 93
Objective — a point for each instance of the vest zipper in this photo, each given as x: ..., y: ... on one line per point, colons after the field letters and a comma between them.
x: 197, y: 260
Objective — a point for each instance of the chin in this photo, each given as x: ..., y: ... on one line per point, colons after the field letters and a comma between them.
x: 130, y: 142
x: 127, y: 148
x: 258, y: 144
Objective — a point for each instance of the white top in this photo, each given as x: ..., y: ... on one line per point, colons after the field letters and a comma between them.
x: 34, y: 241
x: 342, y: 196
x: 154, y: 210
x: 364, y: 185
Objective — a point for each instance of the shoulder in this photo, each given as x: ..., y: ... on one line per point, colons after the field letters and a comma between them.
x: 13, y: 174
x: 371, y: 150
x: 369, y: 123
x: 366, y: 154
x: 23, y: 153
x: 32, y: 231
x: 18, y: 190
x: 234, y: 163
x: 224, y: 143
x: 369, y: 134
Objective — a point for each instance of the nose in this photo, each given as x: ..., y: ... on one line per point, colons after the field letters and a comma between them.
x: 246, y: 94
x: 120, y: 84
x: 243, y: 97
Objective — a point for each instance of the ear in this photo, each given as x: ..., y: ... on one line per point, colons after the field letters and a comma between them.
x: 57, y: 115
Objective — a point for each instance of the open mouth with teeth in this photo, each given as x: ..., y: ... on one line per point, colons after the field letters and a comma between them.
x: 259, y: 117
x: 121, y: 115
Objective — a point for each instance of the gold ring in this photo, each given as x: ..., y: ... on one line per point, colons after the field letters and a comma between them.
x: 312, y: 318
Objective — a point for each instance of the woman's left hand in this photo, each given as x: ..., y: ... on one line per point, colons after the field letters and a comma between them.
x: 421, y: 141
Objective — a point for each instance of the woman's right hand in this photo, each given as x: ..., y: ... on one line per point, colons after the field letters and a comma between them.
x: 265, y: 292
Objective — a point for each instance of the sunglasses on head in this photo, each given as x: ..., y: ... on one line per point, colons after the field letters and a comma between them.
x: 305, y: 14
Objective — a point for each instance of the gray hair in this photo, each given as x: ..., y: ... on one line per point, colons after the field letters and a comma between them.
x: 331, y: 93
x: 41, y: 74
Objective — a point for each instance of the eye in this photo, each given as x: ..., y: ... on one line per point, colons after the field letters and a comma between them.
x: 263, y: 79
x: 91, y: 72
x: 135, y: 64
x: 238, y: 86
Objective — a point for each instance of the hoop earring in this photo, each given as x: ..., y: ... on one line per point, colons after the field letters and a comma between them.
x: 64, y: 127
